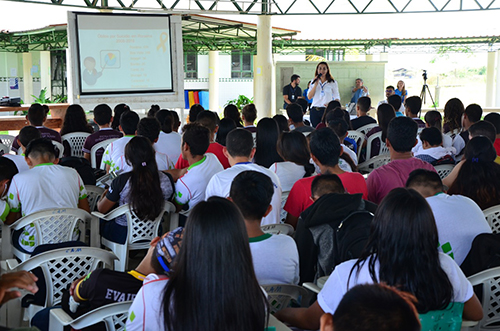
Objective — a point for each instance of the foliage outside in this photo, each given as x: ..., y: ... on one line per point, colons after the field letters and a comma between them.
x: 240, y: 102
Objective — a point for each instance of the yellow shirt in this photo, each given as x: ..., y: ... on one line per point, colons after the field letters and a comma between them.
x: 497, y: 160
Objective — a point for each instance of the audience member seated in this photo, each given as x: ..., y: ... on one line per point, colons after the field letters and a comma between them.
x: 248, y: 116
x: 47, y: 185
x: 118, y: 111
x: 149, y: 127
x: 26, y: 135
x: 479, y: 175
x: 113, y: 156
x: 373, y: 307
x: 169, y: 141
x: 232, y: 112
x: 401, y: 251
x: 317, y: 225
x: 472, y: 114
x: 396, y: 103
x: 282, y: 122
x: 433, y: 119
x: 7, y: 171
x: 458, y: 219
x: 240, y: 151
x: 413, y: 106
x: 194, y: 110
x: 432, y: 150
x: 104, y: 286
x: 190, y: 188
x: 332, y: 105
x: 494, y: 118
x: 226, y: 125
x: 389, y: 90
x: 401, y: 138
x: 340, y: 114
x: 348, y: 159
x: 153, y: 110
x: 103, y: 117
x: 75, y: 121
x: 212, y: 286
x: 275, y: 257
x: 37, y: 115
x: 325, y: 151
x: 265, y: 142
x: 208, y: 119
x: 453, y: 111
x: 144, y: 188
x: 362, y: 107
x: 385, y: 113
x: 177, y: 123
x: 296, y: 118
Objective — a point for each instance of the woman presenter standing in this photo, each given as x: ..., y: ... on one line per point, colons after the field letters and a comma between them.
x: 322, y: 90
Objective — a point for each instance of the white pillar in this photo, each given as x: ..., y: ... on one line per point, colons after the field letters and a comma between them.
x: 213, y: 80
x: 27, y: 78
x: 497, y: 98
x: 369, y: 57
x: 45, y: 73
x: 263, y: 78
x: 490, y: 79
x: 384, y: 56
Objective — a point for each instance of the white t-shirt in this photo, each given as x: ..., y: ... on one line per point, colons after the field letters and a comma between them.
x: 447, y: 144
x: 337, y: 284
x: 458, y: 141
x: 4, y: 210
x: 146, y: 312
x: 220, y: 185
x: 190, y: 188
x: 42, y: 187
x: 275, y: 259
x: 169, y: 144
x: 19, y: 160
x: 288, y: 173
x: 324, y: 93
x: 459, y: 220
x: 351, y: 153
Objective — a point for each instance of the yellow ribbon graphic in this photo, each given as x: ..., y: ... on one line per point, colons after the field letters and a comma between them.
x: 163, y: 40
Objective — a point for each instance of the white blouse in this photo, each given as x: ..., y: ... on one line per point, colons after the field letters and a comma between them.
x: 324, y: 93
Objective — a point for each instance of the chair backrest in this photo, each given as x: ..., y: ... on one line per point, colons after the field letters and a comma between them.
x: 4, y: 149
x: 76, y: 141
x: 7, y: 140
x: 492, y: 215
x: 59, y: 146
x: 62, y: 266
x: 444, y: 170
x: 143, y: 231
x: 374, y: 163
x: 490, y: 281
x: 383, y: 147
x: 103, y: 144
x: 113, y: 315
x: 278, y: 229
x: 280, y: 296
x: 93, y: 195
x: 449, y: 319
x: 357, y: 136
x: 366, y: 128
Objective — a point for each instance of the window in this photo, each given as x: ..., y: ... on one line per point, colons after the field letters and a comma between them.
x: 241, y: 64
x: 325, y: 54
x: 190, y: 65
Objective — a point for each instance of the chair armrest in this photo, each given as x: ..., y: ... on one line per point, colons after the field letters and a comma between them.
x: 112, y: 214
x: 469, y: 324
x: 58, y: 319
x: 312, y: 287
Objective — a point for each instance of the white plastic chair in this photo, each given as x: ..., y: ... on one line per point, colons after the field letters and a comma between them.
x: 4, y: 149
x: 383, y: 147
x: 316, y: 288
x: 492, y: 215
x: 444, y: 170
x: 374, y: 163
x: 359, y: 137
x: 59, y: 146
x: 93, y: 195
x: 366, y: 128
x: 278, y: 229
x: 139, y: 235
x: 490, y: 281
x: 52, y: 226
x: 93, y: 159
x: 113, y: 315
x: 7, y: 140
x: 76, y: 141
x: 60, y: 268
x: 281, y: 295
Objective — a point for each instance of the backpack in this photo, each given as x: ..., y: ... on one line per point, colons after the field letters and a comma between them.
x: 352, y: 235
x: 82, y: 166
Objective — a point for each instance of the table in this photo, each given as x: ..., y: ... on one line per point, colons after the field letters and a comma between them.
x: 13, y: 123
x: 52, y: 106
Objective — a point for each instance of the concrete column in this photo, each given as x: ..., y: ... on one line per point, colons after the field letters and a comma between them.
x: 27, y: 78
x: 490, y: 79
x: 45, y: 73
x: 263, y: 78
x: 384, y: 56
x: 213, y: 80
x: 497, y: 96
x: 369, y: 57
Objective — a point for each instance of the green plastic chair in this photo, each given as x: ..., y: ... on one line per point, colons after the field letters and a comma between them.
x: 449, y: 319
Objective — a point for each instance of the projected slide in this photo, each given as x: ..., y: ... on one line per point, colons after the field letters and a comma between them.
x: 124, y: 53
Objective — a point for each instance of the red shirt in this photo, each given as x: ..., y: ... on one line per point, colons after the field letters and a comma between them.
x: 496, y: 144
x: 214, y: 148
x: 299, y: 198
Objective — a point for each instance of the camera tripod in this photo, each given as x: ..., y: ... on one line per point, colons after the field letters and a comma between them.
x: 425, y: 89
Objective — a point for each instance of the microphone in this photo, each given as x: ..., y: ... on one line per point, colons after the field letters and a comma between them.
x: 315, y: 79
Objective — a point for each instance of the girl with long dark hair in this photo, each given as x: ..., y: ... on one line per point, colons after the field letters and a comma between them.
x: 232, y: 112
x: 385, y: 113
x: 118, y: 111
x: 323, y: 89
x: 75, y: 120
x: 213, y: 285
x: 266, y: 140
x: 453, y: 111
x: 226, y: 125
x: 401, y: 252
x: 479, y: 176
x: 144, y: 188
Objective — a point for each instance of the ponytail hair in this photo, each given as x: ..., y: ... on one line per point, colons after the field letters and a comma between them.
x: 293, y: 147
x: 146, y: 196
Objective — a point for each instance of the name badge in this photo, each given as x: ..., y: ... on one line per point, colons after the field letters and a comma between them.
x: 293, y: 97
x: 322, y: 94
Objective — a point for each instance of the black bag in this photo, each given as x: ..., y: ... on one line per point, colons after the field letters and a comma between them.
x: 82, y: 166
x: 352, y: 235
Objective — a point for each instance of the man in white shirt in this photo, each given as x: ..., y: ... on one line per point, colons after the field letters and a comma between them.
x: 458, y: 219
x: 275, y: 257
x: 240, y: 151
